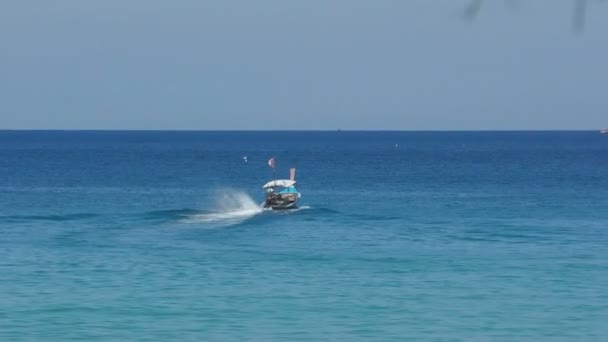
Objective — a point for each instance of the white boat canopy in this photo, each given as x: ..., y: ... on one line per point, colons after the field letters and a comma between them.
x: 286, y: 183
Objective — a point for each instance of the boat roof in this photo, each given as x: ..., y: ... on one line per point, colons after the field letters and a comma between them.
x: 286, y: 183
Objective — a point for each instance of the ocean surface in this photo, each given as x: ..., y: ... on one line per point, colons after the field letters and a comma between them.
x: 438, y: 236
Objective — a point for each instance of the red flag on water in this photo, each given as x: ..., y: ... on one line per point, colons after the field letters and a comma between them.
x: 271, y: 162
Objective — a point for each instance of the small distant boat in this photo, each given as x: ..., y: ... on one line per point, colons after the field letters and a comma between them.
x: 604, y: 131
x: 281, y: 193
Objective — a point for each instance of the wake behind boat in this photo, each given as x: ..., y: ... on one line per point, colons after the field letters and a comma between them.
x: 281, y: 193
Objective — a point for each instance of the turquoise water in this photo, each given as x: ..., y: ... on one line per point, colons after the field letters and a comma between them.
x: 428, y: 236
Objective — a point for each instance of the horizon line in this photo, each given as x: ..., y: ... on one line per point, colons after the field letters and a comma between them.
x: 284, y: 130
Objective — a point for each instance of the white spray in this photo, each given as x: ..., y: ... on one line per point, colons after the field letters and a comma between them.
x: 231, y: 207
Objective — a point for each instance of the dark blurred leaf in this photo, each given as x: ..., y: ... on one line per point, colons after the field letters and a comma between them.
x: 472, y: 9
x: 580, y: 9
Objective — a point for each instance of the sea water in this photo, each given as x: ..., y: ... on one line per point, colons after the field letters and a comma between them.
x: 456, y: 236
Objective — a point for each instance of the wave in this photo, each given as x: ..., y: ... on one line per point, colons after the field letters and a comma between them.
x: 171, y: 214
x: 57, y: 218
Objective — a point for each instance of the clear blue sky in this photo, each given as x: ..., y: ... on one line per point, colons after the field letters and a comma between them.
x: 314, y: 64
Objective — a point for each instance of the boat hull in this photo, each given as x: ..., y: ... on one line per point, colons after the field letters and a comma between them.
x: 284, y: 206
x: 281, y: 201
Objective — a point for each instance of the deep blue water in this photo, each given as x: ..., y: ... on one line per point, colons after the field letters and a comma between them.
x: 401, y: 235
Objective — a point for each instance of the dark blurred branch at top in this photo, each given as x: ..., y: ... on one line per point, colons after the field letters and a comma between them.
x: 578, y: 20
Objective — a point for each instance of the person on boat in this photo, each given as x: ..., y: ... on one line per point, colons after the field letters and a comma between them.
x: 270, y: 196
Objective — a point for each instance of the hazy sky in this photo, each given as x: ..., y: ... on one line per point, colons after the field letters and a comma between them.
x: 314, y: 64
